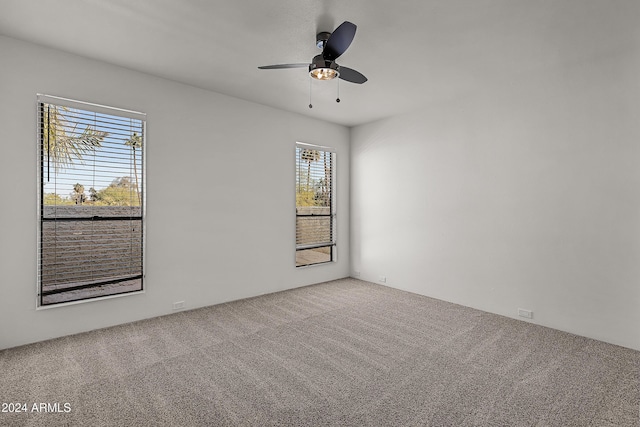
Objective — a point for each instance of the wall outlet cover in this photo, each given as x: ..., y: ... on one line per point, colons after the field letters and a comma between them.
x: 528, y: 314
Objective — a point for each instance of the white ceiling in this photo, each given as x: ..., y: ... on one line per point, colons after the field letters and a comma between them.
x: 414, y: 52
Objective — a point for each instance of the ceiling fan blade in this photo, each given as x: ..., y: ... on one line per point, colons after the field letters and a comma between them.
x: 282, y: 66
x: 339, y: 41
x: 351, y: 75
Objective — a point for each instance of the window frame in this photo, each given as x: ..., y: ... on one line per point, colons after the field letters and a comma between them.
x: 42, y: 99
x: 332, y: 207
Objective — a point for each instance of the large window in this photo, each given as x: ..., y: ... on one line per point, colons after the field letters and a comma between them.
x: 315, y: 205
x: 91, y: 200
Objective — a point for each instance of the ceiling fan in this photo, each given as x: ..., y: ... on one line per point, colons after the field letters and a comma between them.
x: 324, y: 66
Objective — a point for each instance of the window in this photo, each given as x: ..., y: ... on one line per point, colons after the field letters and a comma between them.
x: 91, y: 200
x: 315, y: 205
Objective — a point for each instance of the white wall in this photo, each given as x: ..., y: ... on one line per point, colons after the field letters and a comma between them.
x: 521, y: 195
x: 220, y: 193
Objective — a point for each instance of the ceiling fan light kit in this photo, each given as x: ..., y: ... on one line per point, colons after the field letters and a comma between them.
x: 320, y: 69
x: 324, y: 67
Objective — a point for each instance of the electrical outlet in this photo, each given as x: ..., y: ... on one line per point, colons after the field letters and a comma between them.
x: 383, y: 279
x: 179, y: 305
x: 528, y: 314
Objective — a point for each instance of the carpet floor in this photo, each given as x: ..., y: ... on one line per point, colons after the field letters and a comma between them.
x: 341, y: 353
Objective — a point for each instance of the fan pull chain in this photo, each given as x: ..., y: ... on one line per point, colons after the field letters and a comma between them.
x: 338, y: 98
x: 310, y: 104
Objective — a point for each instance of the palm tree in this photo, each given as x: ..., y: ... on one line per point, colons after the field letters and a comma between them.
x: 135, y: 142
x: 61, y: 140
x: 78, y: 194
x: 309, y: 156
x: 327, y: 179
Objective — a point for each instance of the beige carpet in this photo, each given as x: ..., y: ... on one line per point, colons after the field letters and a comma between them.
x: 343, y: 353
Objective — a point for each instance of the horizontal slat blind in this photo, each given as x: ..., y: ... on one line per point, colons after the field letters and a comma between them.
x: 315, y: 217
x: 91, y: 199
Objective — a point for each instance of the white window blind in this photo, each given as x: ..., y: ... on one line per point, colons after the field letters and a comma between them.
x: 315, y: 205
x: 91, y: 197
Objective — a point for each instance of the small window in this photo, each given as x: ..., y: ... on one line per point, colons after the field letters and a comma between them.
x: 91, y: 201
x: 315, y: 205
